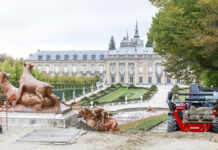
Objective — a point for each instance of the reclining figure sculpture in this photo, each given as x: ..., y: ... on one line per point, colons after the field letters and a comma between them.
x: 98, y: 119
x: 32, y: 93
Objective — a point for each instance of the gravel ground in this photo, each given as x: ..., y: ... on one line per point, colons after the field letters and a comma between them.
x: 116, y: 141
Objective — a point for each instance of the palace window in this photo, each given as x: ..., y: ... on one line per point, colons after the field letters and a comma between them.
x: 84, y: 69
x: 84, y: 57
x: 168, y: 80
x: 92, y: 69
x: 74, y: 69
x: 65, y: 69
x: 47, y: 69
x: 140, y: 80
x: 122, y: 79
x: 131, y: 69
x: 74, y: 57
x: 122, y: 69
x: 101, y: 69
x: 93, y: 57
x: 113, y: 69
x: 58, y: 57
x: 159, y: 70
x: 140, y: 69
x: 40, y: 57
x: 66, y: 57
x: 48, y: 57
x: 150, y: 69
x: 149, y: 80
x: 101, y: 57
x: 158, y: 80
x: 56, y: 69
x: 131, y: 79
x: 112, y: 79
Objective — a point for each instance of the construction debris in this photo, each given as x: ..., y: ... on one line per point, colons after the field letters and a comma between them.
x: 199, y: 114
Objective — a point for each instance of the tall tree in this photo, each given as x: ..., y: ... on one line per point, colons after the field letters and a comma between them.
x: 185, y: 33
x: 149, y: 44
x: 112, y: 45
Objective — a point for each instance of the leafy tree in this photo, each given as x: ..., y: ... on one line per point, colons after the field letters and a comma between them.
x: 185, y: 33
x: 15, y: 69
x: 3, y: 57
x: 112, y: 44
x: 149, y: 44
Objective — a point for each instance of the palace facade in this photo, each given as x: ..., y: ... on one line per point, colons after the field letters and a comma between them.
x: 132, y: 63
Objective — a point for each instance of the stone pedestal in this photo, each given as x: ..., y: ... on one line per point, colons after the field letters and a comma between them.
x: 22, y: 119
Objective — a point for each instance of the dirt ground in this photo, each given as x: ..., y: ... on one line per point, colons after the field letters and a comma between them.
x: 116, y: 141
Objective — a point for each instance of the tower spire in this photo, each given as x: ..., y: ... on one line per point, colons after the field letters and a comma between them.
x: 127, y: 35
x: 136, y: 30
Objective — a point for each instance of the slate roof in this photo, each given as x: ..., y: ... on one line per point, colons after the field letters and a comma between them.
x: 78, y: 53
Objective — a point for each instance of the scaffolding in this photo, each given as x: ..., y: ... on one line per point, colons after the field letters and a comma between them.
x: 3, y: 108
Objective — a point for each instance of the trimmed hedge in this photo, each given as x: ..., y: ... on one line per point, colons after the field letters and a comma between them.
x: 175, y: 89
x: 86, y: 100
x: 151, y: 91
x: 96, y: 97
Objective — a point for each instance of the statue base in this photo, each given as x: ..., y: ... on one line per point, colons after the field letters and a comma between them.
x: 20, y: 108
x: 65, y: 118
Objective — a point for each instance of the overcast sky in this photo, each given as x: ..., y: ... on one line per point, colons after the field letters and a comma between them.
x: 29, y: 25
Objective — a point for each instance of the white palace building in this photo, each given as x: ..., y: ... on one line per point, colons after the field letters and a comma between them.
x: 132, y: 63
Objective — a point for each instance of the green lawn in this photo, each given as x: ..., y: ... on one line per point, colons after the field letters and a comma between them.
x: 130, y: 93
x: 144, y: 124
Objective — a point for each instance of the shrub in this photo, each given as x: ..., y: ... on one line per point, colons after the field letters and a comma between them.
x: 119, y: 84
x: 102, y: 91
x: 121, y: 97
x: 132, y: 87
x: 94, y: 95
x: 112, y: 86
x: 175, y: 89
x: 95, y: 102
x: 153, y: 88
x: 85, y: 99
